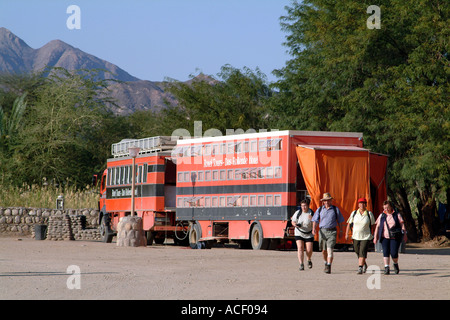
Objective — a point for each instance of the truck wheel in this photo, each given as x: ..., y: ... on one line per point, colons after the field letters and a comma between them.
x: 257, y: 238
x: 195, y: 233
x: 105, y: 231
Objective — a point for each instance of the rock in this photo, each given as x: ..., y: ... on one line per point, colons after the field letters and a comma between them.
x: 130, y: 232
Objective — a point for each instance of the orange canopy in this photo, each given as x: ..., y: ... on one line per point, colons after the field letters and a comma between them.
x: 343, y: 172
x: 378, y: 167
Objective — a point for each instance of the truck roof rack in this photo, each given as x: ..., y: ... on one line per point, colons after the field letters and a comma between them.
x: 147, y: 145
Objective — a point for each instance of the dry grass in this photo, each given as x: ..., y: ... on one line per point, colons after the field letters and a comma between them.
x: 45, y: 197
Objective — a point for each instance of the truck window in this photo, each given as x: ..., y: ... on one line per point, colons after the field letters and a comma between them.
x: 103, y: 183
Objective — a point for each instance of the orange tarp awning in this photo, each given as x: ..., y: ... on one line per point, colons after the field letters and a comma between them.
x: 344, y: 172
x: 378, y: 167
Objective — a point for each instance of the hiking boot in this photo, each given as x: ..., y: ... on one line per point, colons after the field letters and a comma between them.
x: 397, y: 269
x: 302, y: 267
x: 386, y: 270
x: 309, y: 264
x: 360, y: 270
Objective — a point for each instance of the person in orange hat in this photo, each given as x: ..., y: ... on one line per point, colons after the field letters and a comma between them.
x: 362, y: 221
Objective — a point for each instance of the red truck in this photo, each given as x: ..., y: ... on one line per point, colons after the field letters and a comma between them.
x: 155, y: 190
x: 242, y: 188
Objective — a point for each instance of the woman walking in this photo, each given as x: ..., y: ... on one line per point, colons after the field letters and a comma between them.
x: 362, y: 221
x: 301, y: 220
x: 390, y: 231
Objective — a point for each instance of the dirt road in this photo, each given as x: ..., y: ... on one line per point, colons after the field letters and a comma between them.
x: 31, y: 269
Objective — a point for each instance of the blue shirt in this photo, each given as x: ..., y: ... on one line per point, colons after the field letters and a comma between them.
x: 327, y: 218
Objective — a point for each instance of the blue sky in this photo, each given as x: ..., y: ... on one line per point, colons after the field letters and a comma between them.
x: 154, y: 39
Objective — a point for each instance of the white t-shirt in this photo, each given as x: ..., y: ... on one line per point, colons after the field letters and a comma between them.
x: 304, y: 223
x: 361, y: 224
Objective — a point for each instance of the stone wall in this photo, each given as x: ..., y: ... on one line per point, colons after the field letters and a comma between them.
x: 70, y: 227
x: 20, y: 220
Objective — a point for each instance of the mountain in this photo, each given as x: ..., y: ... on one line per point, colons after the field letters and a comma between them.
x: 15, y: 54
x: 131, y: 95
x: 139, y: 95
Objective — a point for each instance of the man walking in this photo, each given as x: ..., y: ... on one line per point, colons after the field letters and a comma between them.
x: 327, y: 217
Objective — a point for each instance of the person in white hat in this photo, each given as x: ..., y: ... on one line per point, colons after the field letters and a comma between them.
x: 327, y: 217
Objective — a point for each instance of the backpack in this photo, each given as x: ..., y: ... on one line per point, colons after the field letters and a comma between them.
x: 335, y: 212
x: 298, y: 215
x: 300, y: 212
x: 353, y: 216
x: 394, y: 232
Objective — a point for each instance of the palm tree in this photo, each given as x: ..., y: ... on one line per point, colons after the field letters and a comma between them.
x: 9, y: 125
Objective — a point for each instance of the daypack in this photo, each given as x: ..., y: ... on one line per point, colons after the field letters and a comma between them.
x: 298, y: 215
x: 353, y: 216
x: 300, y: 212
x: 395, y: 231
x: 335, y: 212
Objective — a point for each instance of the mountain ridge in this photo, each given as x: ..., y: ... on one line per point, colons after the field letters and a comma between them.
x: 131, y: 93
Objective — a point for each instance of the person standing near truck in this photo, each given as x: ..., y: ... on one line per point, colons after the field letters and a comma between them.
x: 363, y: 222
x: 327, y: 217
x: 301, y: 220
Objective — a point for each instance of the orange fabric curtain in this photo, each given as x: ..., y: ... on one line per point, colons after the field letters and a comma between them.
x: 345, y: 174
x: 378, y: 167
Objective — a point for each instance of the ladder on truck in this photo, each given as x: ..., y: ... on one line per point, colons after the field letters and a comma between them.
x: 147, y: 145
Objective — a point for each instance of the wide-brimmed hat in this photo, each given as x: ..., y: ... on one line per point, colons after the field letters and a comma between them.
x: 326, y: 196
x: 362, y: 200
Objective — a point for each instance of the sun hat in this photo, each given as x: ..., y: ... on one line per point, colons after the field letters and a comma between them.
x: 326, y: 196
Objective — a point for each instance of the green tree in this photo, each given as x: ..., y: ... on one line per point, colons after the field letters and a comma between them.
x: 389, y: 83
x: 56, y: 139
x: 236, y: 100
x: 10, y: 125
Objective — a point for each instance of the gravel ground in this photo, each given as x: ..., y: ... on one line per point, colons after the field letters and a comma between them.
x: 72, y: 270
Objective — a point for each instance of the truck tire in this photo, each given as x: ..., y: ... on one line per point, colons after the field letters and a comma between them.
x: 105, y: 230
x: 195, y: 233
x: 257, y: 238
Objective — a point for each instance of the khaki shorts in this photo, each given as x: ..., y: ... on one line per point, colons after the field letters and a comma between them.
x: 361, y: 247
x: 327, y: 239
